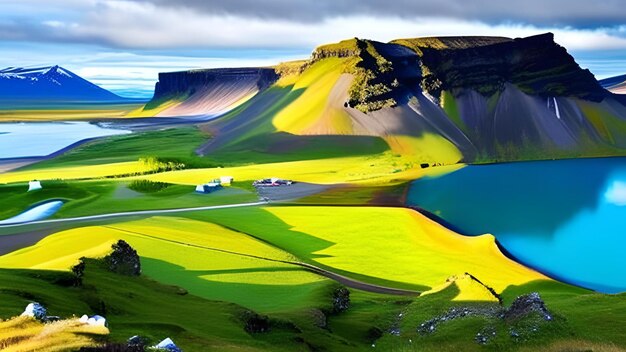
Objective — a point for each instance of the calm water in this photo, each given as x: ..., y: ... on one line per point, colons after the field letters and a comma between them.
x: 39, y: 212
x: 565, y: 218
x: 30, y: 139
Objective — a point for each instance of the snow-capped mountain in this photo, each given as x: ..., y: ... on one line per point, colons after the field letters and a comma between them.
x: 52, y: 83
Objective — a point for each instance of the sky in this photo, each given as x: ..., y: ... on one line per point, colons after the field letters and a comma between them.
x: 122, y: 45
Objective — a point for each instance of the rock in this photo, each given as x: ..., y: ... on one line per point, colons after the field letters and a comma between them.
x: 167, y: 345
x: 527, y: 304
x: 124, y: 259
x: 136, y: 340
x: 95, y: 320
x: 35, y: 310
x: 341, y: 300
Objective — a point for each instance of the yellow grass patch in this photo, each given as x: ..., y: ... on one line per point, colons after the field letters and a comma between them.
x: 318, y: 82
x: 402, y: 245
x: 22, y: 334
x: 77, y: 172
x: 429, y: 148
x: 380, y: 169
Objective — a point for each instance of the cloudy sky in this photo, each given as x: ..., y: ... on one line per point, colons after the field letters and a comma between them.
x: 123, y: 44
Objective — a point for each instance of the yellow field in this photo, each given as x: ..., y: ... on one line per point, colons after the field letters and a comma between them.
x: 76, y: 172
x: 24, y: 334
x: 206, y: 259
x: 378, y: 170
x: 428, y: 148
x: 402, y: 245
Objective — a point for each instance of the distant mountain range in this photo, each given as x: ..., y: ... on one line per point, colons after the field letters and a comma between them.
x: 50, y: 84
x: 615, y: 84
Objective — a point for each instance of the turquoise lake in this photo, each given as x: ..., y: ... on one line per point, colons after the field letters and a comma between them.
x: 565, y: 218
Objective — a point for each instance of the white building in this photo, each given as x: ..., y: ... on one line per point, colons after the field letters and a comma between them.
x: 208, y: 187
x: 34, y: 185
x: 226, y: 180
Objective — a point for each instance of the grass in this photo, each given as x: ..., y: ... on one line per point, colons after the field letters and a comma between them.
x: 169, y: 144
x: 97, y: 197
x: 305, y: 112
x: 23, y: 334
x: 192, y: 254
x: 415, y: 253
x: 64, y: 112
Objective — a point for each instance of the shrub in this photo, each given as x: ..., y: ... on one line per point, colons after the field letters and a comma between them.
x: 147, y: 186
x: 341, y: 300
x: 123, y: 260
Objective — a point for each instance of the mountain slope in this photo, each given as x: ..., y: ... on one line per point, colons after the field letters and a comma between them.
x: 437, y: 100
x: 205, y: 92
x: 52, y: 83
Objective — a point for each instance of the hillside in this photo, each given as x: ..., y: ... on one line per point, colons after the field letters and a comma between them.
x: 205, y: 92
x: 50, y: 84
x: 440, y: 100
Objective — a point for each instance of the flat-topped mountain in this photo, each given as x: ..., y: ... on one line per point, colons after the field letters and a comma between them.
x: 440, y: 99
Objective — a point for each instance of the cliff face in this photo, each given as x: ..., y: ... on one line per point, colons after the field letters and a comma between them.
x: 208, y: 92
x: 188, y: 82
x: 536, y: 65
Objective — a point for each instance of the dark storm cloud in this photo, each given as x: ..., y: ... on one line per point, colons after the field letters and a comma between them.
x: 587, y: 14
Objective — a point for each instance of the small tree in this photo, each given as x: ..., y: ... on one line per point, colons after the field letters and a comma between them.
x: 124, y: 259
x: 79, y: 271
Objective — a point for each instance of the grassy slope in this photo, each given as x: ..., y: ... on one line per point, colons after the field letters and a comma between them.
x: 22, y: 334
x: 174, y: 143
x: 311, y: 106
x: 183, y: 252
x: 99, y: 197
x: 414, y: 253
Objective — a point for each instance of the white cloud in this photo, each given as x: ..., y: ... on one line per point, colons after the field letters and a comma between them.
x: 145, y: 25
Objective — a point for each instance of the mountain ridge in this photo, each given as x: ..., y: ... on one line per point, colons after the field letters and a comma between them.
x: 440, y: 100
x: 50, y: 83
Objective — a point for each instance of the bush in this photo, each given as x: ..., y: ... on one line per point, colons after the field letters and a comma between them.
x: 341, y: 300
x: 255, y: 323
x: 147, y: 186
x: 123, y: 260
x: 79, y: 271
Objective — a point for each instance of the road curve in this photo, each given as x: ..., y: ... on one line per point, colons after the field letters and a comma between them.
x: 131, y: 213
x: 349, y: 282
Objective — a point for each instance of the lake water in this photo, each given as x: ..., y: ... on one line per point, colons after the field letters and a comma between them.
x: 32, y: 139
x: 565, y: 218
x: 38, y: 212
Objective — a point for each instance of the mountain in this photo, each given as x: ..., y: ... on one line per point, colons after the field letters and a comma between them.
x: 440, y: 99
x: 206, y: 92
x: 53, y: 83
x: 615, y: 84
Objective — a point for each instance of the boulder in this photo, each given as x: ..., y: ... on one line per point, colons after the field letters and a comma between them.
x: 35, y: 310
x: 95, y: 320
x: 167, y: 345
x: 527, y: 304
x: 341, y: 300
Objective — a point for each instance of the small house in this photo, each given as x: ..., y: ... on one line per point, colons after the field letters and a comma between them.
x: 34, y: 185
x: 208, y: 187
x: 226, y: 180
